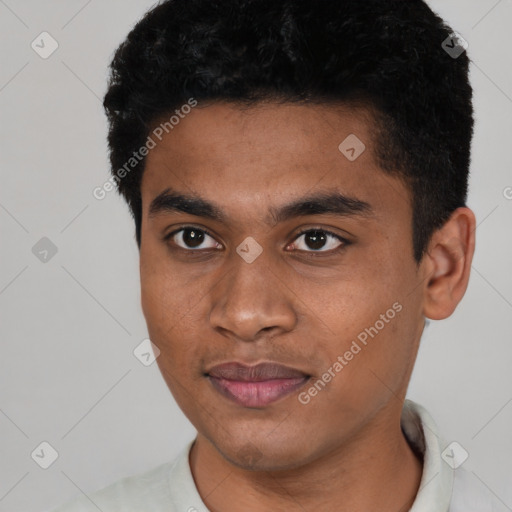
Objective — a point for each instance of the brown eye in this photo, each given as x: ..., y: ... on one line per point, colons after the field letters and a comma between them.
x: 193, y: 238
x: 318, y: 240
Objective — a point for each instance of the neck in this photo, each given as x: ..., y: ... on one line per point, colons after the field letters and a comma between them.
x: 376, y: 471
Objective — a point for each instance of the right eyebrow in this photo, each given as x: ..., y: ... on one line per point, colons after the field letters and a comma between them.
x: 169, y: 201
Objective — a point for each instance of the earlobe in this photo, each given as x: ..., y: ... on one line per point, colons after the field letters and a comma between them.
x: 448, y: 264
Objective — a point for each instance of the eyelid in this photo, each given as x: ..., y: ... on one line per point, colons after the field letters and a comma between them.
x: 185, y: 226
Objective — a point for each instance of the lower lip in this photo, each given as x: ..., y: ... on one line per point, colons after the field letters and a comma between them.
x: 256, y: 394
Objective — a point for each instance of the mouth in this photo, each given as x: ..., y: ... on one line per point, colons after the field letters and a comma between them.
x: 255, y: 386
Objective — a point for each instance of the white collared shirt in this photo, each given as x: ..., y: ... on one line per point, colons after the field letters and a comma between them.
x: 170, y: 487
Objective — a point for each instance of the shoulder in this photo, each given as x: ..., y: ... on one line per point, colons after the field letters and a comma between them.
x: 130, y: 494
x: 470, y: 494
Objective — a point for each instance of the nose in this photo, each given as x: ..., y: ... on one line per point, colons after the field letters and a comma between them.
x: 251, y: 300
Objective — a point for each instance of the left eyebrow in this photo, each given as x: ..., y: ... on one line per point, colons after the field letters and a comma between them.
x: 328, y: 202
x: 322, y: 203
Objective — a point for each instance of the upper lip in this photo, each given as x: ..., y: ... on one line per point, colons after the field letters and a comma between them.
x: 256, y: 373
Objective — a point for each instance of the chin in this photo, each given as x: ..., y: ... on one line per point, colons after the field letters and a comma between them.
x: 264, y: 456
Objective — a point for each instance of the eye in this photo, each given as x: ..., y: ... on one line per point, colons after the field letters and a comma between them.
x: 191, y: 238
x: 319, y: 240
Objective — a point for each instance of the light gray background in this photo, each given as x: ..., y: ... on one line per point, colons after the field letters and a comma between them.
x: 68, y: 375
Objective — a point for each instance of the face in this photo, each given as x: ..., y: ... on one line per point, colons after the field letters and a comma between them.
x: 263, y: 242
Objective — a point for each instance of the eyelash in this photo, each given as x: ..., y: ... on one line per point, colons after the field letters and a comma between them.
x: 194, y: 253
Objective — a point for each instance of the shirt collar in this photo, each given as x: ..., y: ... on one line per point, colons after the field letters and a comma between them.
x: 420, y: 430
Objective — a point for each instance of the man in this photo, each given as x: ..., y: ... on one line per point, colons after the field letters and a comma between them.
x: 297, y: 172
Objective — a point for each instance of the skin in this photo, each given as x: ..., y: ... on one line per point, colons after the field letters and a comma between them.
x: 344, y: 450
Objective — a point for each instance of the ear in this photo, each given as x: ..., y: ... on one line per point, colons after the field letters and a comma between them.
x: 448, y: 264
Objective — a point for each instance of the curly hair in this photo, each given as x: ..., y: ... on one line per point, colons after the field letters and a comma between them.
x: 385, y: 55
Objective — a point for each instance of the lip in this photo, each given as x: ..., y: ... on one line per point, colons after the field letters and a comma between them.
x: 258, y: 385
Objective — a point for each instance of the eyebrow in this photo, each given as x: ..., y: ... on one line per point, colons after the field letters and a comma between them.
x: 320, y: 203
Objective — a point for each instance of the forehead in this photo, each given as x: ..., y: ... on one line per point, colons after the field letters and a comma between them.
x: 286, y: 131
x: 247, y: 157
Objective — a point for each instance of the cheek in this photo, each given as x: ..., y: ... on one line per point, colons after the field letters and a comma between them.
x: 366, y: 313
x: 171, y: 308
x: 352, y: 302
x: 163, y: 296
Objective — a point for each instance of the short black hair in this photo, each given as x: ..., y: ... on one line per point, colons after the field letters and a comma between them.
x: 387, y: 55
